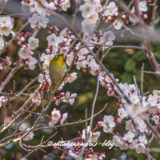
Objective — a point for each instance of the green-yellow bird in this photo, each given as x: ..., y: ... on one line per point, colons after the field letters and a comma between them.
x: 57, y: 70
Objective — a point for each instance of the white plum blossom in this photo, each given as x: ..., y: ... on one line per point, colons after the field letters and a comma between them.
x: 39, y: 8
x: 3, y: 100
x: 143, y: 139
x: 134, y: 110
x: 111, y: 9
x: 93, y: 136
x: 6, y: 25
x: 63, y: 117
x: 140, y: 148
x: 93, y: 17
x: 33, y: 43
x: 93, y: 66
x: 88, y: 26
x: 29, y: 136
x: 87, y: 10
x: 122, y: 113
x: 92, y: 2
x: 155, y: 118
x: 71, y: 77
x: 117, y: 24
x: 65, y: 5
x: 36, y: 98
x: 69, y: 59
x: 1, y: 66
x: 24, y: 53
x: 55, y: 117
x: 24, y: 127
x: 32, y: 62
x: 143, y: 6
x: 107, y: 38
x: 66, y: 98
x: 140, y: 125
x: 41, y: 78
x: 38, y: 21
x: 53, y: 40
x: 69, y: 98
x: 2, y: 43
x: 129, y: 137
x: 129, y: 126
x: 117, y: 140
x: 108, y: 123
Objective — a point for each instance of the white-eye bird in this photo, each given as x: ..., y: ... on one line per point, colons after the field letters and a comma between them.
x: 57, y: 70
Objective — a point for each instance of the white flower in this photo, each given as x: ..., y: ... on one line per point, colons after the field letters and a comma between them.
x: 55, y: 117
x: 69, y: 59
x: 69, y: 98
x: 72, y: 77
x: 6, y: 21
x: 82, y: 52
x: 93, y: 17
x: 111, y: 9
x: 117, y: 140
x: 93, y: 136
x: 8, y: 61
x: 3, y: 100
x: 42, y: 58
x: 134, y: 110
x: 48, y: 59
x: 6, y: 25
x: 129, y: 126
x: 122, y: 113
x: 1, y: 66
x: 107, y: 38
x: 140, y: 124
x: 81, y: 64
x: 117, y: 24
x: 35, y: 97
x: 140, y: 148
x: 23, y: 126
x: 39, y: 8
x: 53, y: 40
x: 92, y: 157
x: 64, y: 117
x: 143, y: 6
x: 108, y: 123
x: 38, y: 21
x: 93, y: 65
x: 143, y: 139
x: 32, y: 62
x: 41, y: 78
x: 33, y: 43
x: 129, y: 137
x: 155, y: 118
x: 92, y: 2
x: 29, y: 136
x: 2, y: 43
x: 24, y: 53
x: 65, y: 5
x: 87, y: 10
x: 98, y: 8
x: 88, y: 26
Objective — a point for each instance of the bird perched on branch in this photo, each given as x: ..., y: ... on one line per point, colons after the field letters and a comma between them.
x: 57, y: 70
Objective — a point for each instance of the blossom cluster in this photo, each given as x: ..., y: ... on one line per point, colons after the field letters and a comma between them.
x: 38, y: 6
x: 56, y: 116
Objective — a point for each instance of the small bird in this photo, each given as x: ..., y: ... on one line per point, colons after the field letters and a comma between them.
x: 57, y: 70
